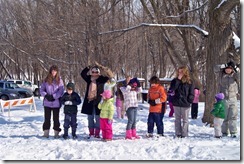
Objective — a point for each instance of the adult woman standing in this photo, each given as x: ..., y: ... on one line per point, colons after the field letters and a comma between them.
x: 95, y: 87
x: 52, y: 89
x: 229, y: 84
x: 183, y: 94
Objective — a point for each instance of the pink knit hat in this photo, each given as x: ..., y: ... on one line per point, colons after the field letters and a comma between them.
x: 106, y: 94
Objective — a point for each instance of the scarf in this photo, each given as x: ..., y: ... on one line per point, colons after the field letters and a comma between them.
x: 92, y: 92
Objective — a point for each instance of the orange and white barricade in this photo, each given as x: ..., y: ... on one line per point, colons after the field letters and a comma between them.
x: 18, y: 102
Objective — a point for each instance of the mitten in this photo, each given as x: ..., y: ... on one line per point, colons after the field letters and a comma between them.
x: 49, y: 97
x: 68, y: 103
x: 152, y: 102
x: 138, y: 83
x: 134, y: 85
x: 110, y: 121
x: 157, y: 101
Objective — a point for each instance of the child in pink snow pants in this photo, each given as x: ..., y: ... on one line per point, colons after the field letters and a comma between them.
x: 106, y: 115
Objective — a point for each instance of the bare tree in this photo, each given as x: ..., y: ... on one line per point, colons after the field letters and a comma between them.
x: 219, y: 41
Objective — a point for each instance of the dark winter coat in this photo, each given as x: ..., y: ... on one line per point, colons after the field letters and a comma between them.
x: 219, y: 109
x: 74, y: 98
x: 183, y: 93
x: 87, y: 106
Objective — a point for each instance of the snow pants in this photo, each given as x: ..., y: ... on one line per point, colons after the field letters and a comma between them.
x: 181, y: 121
x: 217, y: 126
x: 230, y: 122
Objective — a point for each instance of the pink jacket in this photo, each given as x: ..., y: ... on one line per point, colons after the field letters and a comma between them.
x: 196, y: 95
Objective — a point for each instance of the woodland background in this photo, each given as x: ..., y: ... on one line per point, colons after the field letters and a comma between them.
x: 35, y: 34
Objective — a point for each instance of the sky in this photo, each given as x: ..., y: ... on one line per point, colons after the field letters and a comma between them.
x: 21, y: 131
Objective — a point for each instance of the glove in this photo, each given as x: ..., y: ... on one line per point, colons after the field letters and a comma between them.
x: 68, y: 103
x: 110, y: 121
x: 157, y: 101
x: 49, y: 97
x: 152, y: 102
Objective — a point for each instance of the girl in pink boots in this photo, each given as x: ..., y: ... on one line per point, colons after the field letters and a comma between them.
x: 131, y: 105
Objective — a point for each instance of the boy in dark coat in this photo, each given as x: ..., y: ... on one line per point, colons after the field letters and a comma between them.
x: 70, y: 100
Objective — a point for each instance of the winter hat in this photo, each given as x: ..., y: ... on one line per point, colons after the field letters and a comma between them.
x: 70, y: 86
x: 106, y: 94
x: 219, y: 96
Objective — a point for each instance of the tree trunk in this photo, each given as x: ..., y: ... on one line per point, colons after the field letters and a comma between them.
x: 219, y: 42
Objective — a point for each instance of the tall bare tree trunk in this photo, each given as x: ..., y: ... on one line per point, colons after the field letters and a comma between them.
x: 219, y: 41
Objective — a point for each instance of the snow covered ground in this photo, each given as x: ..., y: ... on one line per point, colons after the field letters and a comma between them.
x: 20, y: 138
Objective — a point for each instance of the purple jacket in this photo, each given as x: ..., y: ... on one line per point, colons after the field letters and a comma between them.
x: 56, y: 90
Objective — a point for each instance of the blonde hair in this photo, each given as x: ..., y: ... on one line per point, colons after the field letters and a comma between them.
x: 186, y: 74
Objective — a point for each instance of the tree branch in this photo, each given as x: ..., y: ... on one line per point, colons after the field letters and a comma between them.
x: 198, y: 29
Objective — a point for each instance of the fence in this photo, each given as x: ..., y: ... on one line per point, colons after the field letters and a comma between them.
x: 18, y: 102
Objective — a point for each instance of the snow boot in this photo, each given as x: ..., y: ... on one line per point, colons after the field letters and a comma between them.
x: 149, y: 135
x: 97, y: 133
x: 65, y: 136
x: 134, y: 134
x: 74, y: 134
x: 46, y: 133
x: 56, y: 134
x: 128, y: 134
x: 91, y: 131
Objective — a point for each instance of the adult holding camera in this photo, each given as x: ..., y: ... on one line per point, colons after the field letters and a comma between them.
x: 229, y: 84
x: 95, y: 77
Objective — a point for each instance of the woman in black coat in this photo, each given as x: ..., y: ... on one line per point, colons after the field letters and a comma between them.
x: 95, y: 84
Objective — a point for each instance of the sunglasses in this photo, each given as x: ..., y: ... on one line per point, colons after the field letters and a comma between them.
x: 94, y: 71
